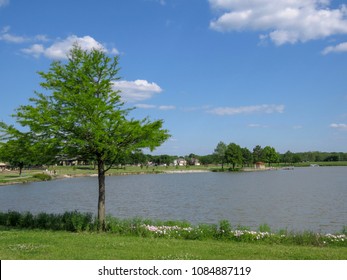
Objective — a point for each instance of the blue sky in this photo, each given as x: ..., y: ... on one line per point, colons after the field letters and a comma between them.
x: 255, y: 72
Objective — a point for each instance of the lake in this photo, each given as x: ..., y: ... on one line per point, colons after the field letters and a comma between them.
x: 313, y: 198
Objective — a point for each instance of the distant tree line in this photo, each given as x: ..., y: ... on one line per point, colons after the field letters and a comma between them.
x: 235, y: 155
x: 23, y: 154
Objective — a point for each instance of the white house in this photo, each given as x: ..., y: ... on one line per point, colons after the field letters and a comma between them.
x: 180, y: 162
x: 194, y: 161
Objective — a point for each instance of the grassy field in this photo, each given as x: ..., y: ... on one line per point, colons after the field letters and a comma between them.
x: 19, y: 244
x: 75, y: 235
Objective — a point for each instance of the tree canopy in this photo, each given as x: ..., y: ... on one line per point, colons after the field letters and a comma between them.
x: 233, y: 154
x: 81, y: 114
x: 220, y: 153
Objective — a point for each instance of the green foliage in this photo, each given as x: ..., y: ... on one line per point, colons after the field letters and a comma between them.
x: 84, y: 114
x: 247, y: 157
x: 13, y: 219
x: 70, y: 221
x: 270, y: 155
x: 220, y: 153
x: 42, y: 177
x: 305, y: 238
x: 264, y: 228
x: 81, y: 114
x: 233, y: 154
x: 344, y: 230
x: 224, y: 229
x: 18, y: 151
x: 79, y: 222
x: 27, y: 220
x: 257, y: 153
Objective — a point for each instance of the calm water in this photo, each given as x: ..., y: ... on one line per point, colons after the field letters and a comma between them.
x: 301, y: 199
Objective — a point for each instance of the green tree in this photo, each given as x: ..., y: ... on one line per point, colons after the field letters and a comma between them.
x: 137, y: 158
x: 82, y: 114
x: 219, y: 153
x: 247, y: 157
x: 233, y: 154
x: 207, y: 159
x: 17, y: 152
x: 257, y: 154
x: 270, y: 155
x: 288, y: 157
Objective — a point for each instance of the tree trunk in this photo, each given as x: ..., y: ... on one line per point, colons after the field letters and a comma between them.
x: 20, y: 169
x: 102, y: 187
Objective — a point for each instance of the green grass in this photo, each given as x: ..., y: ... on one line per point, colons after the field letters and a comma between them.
x: 14, y: 178
x: 75, y: 235
x: 55, y: 245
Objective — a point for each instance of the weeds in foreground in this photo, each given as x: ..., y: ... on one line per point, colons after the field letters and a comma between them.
x: 78, y: 222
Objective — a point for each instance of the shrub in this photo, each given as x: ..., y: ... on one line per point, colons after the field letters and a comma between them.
x: 27, y: 220
x: 3, y: 218
x: 76, y: 221
x: 224, y: 229
x: 43, y: 221
x: 81, y: 222
x: 264, y: 228
x: 42, y: 177
x: 13, y: 219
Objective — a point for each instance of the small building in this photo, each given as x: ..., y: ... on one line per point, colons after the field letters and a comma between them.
x: 194, y: 161
x: 4, y: 166
x: 259, y: 165
x: 180, y: 162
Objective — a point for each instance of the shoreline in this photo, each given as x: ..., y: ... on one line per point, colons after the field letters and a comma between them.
x: 66, y: 175
x: 80, y: 175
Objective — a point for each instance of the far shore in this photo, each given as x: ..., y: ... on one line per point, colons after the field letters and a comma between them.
x: 28, y: 179
x: 63, y: 172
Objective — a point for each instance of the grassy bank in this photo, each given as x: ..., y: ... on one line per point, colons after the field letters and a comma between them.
x: 57, y: 172
x: 74, y: 235
x: 52, y: 245
x: 32, y: 175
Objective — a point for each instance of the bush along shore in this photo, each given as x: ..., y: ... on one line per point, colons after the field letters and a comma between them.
x: 85, y: 222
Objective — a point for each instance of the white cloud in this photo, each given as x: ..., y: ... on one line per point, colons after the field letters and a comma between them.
x: 161, y: 2
x: 138, y: 90
x: 150, y: 106
x: 285, y: 21
x: 336, y: 49
x: 4, y: 2
x: 35, y: 50
x: 10, y: 38
x: 339, y: 126
x: 60, y: 48
x: 6, y: 36
x: 167, y: 107
x: 114, y: 51
x: 145, y: 106
x: 41, y: 38
x: 265, y: 108
x: 256, y: 125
